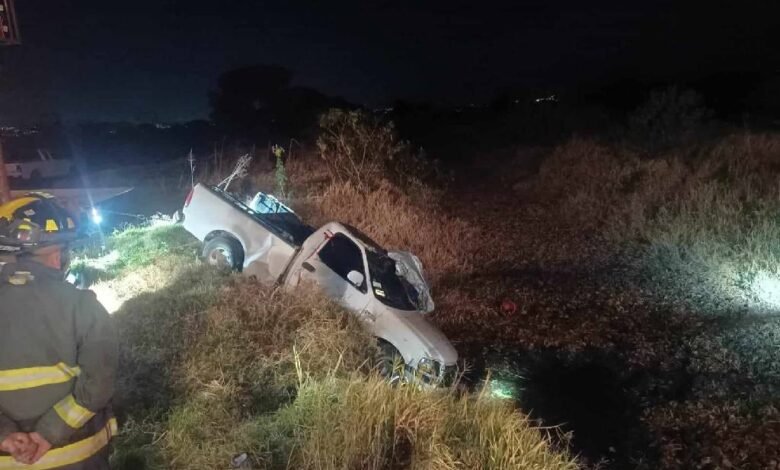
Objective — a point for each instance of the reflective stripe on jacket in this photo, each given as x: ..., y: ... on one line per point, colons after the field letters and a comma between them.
x: 57, y: 363
x: 70, y: 455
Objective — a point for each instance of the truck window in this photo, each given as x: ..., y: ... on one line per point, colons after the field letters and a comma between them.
x: 342, y: 255
x: 390, y: 288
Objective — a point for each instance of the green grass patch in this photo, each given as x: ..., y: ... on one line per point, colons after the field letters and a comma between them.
x: 133, y: 248
x: 139, y: 247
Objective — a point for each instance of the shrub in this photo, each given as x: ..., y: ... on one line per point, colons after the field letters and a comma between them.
x: 357, y: 147
x: 669, y: 117
x: 583, y: 179
x: 363, y: 150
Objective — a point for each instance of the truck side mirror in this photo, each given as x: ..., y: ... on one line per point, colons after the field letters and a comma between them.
x: 356, y: 278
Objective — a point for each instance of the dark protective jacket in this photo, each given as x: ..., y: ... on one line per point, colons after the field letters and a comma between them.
x: 57, y: 365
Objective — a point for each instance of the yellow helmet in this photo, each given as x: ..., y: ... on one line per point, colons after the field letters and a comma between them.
x: 23, y: 236
x: 40, y: 209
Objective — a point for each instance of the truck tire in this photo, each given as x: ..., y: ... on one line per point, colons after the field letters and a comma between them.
x: 224, y: 252
x: 389, y: 364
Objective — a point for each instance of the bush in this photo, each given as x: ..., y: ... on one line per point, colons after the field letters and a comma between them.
x: 585, y: 179
x: 362, y: 150
x: 356, y: 147
x: 669, y: 117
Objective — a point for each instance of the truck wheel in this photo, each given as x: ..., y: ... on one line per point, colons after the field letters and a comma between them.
x: 390, y: 364
x: 224, y: 253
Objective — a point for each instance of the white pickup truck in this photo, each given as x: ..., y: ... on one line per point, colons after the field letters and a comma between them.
x: 45, y: 166
x: 387, y: 289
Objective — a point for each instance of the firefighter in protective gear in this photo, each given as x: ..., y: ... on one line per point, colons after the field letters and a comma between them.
x: 57, y: 360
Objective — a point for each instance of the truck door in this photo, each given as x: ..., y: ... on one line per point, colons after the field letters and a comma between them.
x: 340, y: 271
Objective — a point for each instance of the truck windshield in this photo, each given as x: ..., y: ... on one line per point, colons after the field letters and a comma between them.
x: 390, y: 288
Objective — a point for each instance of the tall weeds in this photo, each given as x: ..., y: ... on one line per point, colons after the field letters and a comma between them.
x: 376, y: 426
x: 717, y: 207
x: 215, y: 366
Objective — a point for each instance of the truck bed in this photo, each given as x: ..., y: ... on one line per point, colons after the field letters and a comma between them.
x: 269, y: 239
x: 287, y: 226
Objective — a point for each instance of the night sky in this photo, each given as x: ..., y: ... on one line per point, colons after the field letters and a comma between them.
x: 155, y: 60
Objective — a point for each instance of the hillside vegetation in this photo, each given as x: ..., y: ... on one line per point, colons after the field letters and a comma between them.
x: 715, y: 206
x: 649, y: 283
x: 699, y: 227
x: 216, y: 370
x: 630, y: 297
x: 657, y: 271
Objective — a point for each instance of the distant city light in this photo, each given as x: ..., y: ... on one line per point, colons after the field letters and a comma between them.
x: 552, y: 98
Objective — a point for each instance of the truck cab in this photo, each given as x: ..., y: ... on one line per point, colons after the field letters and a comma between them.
x: 386, y: 289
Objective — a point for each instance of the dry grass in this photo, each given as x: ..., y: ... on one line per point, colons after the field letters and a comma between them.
x: 240, y: 363
x: 713, y: 209
x: 233, y: 385
x: 706, y: 221
x: 398, y: 221
x: 718, y: 434
x: 376, y: 426
x: 252, y: 331
x: 214, y: 365
x: 704, y: 218
x: 357, y: 422
x: 583, y: 179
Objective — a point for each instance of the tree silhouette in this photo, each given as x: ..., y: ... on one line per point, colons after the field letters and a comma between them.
x: 243, y: 103
x: 258, y: 102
